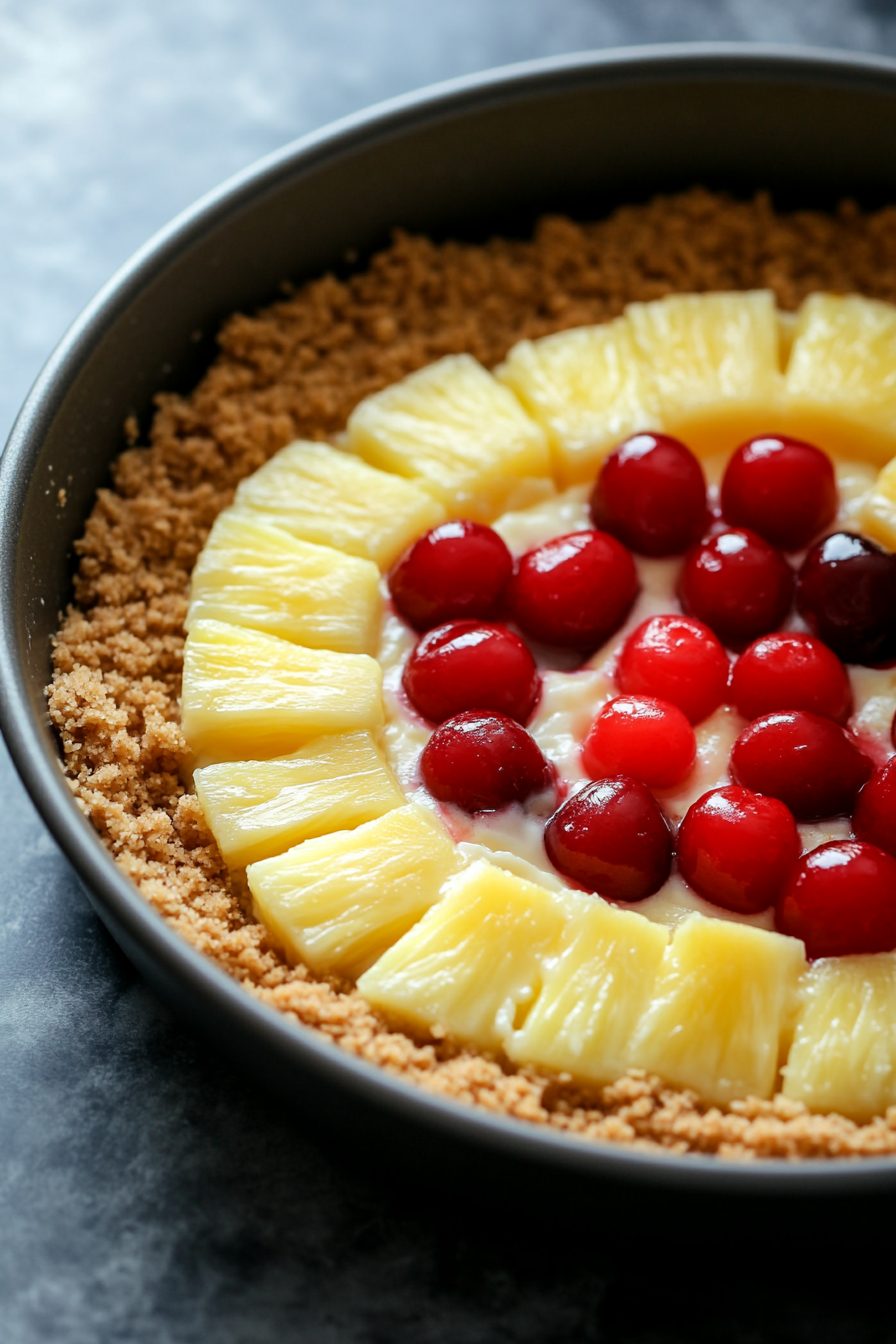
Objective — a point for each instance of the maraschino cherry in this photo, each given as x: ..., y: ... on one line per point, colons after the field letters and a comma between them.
x: 612, y: 838
x: 641, y: 736
x: 471, y: 665
x: 736, y: 848
x: 841, y: 900
x: 457, y: 570
x: 677, y: 659
x: 481, y: 762
x: 874, y: 818
x: 573, y: 591
x: 651, y: 494
x: 738, y: 584
x: 846, y: 592
x: 781, y: 488
x: 810, y: 763
x: 790, y: 671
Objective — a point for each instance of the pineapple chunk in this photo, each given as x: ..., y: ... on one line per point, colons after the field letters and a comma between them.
x: 337, y: 903
x: 457, y: 429
x: 257, y: 809
x: 715, y: 364
x: 473, y: 963
x: 877, y: 515
x: 841, y: 376
x: 247, y: 695
x: 594, y: 994
x: 843, y: 1056
x: 588, y: 388
x: 722, y: 999
x: 318, y: 494
x: 258, y: 576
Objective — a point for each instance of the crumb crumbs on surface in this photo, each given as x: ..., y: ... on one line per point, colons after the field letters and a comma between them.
x: 295, y: 370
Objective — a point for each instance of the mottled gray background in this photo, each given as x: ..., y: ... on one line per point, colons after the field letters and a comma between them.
x: 145, y: 1194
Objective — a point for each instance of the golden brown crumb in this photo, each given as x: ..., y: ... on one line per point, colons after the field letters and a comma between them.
x: 296, y: 369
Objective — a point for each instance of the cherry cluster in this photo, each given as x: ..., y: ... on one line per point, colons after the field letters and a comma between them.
x: 477, y: 680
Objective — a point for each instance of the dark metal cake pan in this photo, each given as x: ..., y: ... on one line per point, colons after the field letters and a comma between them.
x: 488, y: 153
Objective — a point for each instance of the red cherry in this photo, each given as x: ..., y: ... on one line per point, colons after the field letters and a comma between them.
x: 640, y: 736
x: 874, y: 818
x: 573, y: 591
x: 790, y: 671
x: 651, y: 494
x: 612, y: 838
x: 738, y: 584
x: 808, y: 762
x: 841, y: 900
x: 846, y: 592
x: 783, y: 489
x: 457, y: 570
x: 481, y: 762
x: 679, y: 660
x: 737, y: 848
x: 470, y: 665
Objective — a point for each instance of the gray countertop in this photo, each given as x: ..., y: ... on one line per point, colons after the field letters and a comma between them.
x: 145, y: 1192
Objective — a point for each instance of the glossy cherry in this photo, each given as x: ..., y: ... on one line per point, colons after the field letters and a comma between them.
x: 481, y: 762
x: 574, y: 591
x: 874, y: 818
x: 781, y: 488
x: 471, y: 665
x: 841, y: 900
x: 459, y: 569
x: 736, y: 848
x: 789, y: 670
x: 846, y: 593
x: 641, y: 736
x: 677, y: 659
x: 810, y: 763
x: 612, y: 838
x: 651, y: 494
x: 738, y: 584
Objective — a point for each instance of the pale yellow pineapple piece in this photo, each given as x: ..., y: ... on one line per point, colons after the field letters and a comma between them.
x: 843, y: 1056
x: 723, y: 998
x: 258, y: 576
x: 247, y: 695
x: 319, y: 494
x: 715, y: 364
x: 595, y: 992
x: 877, y: 516
x: 588, y: 388
x: 841, y: 375
x: 456, y: 429
x: 473, y: 963
x: 257, y: 809
x: 337, y: 903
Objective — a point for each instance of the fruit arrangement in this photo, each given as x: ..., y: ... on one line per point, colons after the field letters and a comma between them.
x: 597, y: 774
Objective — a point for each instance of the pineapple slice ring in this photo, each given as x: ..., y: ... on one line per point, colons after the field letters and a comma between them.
x: 463, y: 939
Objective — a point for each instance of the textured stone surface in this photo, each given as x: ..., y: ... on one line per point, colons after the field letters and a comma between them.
x: 145, y: 1193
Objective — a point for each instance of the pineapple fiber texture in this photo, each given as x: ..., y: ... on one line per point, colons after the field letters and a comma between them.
x: 259, y: 808
x: 844, y: 1045
x: 458, y: 430
x: 474, y: 960
x: 339, y: 902
x: 322, y: 495
x: 248, y: 695
x: 258, y: 576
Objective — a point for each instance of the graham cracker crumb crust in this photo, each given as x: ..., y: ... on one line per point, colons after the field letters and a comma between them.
x: 296, y: 370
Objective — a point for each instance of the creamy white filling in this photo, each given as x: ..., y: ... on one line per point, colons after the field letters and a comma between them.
x: 572, y: 694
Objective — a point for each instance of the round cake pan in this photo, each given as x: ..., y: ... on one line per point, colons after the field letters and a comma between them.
x: 479, y: 155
